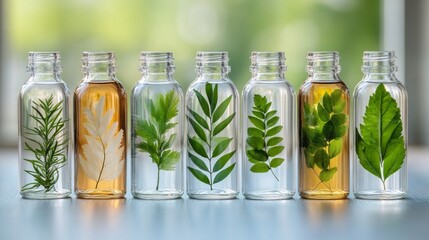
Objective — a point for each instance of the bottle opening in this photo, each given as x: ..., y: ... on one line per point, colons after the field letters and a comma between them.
x: 44, y: 62
x: 212, y: 62
x: 156, y: 61
x: 378, y: 61
x: 323, y: 61
x: 98, y: 62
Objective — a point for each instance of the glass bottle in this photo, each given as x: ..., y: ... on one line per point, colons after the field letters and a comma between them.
x: 380, y: 132
x: 268, y: 146
x: 212, y: 124
x: 157, y: 111
x: 100, y: 106
x: 44, y: 130
x: 324, y: 130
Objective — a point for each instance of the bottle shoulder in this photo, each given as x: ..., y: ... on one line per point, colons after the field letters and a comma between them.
x: 53, y: 87
x: 257, y: 86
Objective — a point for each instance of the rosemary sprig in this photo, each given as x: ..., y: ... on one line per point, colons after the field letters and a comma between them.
x: 47, y: 141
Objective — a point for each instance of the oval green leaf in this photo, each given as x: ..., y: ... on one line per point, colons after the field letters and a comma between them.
x: 221, y: 162
x: 198, y: 162
x: 222, y: 125
x: 199, y: 175
x: 198, y: 148
x: 274, y: 141
x: 203, y: 103
x: 260, y: 168
x: 220, y: 147
x: 257, y: 122
x: 276, y: 162
x: 274, y: 151
x: 255, y: 132
x: 273, y: 131
x: 224, y: 173
x: 256, y: 142
x: 221, y: 109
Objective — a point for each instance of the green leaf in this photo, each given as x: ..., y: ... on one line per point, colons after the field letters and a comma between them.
x: 273, y: 121
x: 220, y: 147
x: 273, y: 131
x: 221, y: 109
x: 276, y: 162
x: 338, y: 119
x: 258, y: 114
x: 198, y: 130
x: 222, y: 125
x: 214, y: 98
x: 323, y: 114
x: 310, y: 117
x: 203, y: 103
x: 199, y: 175
x: 337, y: 102
x: 224, y: 173
x: 321, y: 159
x: 327, y: 174
x: 221, y: 162
x: 329, y: 131
x: 257, y: 122
x: 209, y: 93
x: 255, y: 132
x: 327, y: 102
x: 168, y: 160
x: 274, y: 151
x: 260, y: 102
x: 198, y: 148
x: 309, y: 160
x: 274, y: 141
x: 380, y: 145
x: 199, y: 119
x: 335, y: 148
x: 257, y: 155
x: 146, y: 130
x: 198, y: 162
x: 256, y: 142
x: 260, y: 168
x: 270, y: 114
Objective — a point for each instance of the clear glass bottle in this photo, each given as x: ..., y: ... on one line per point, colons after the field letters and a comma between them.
x: 212, y: 130
x: 157, y: 123
x: 324, y: 130
x: 380, y: 132
x: 100, y: 106
x: 268, y: 115
x: 45, y: 130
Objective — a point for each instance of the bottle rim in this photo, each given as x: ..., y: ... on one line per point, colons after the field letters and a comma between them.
x: 156, y: 56
x: 88, y: 56
x: 51, y: 61
x: 212, y: 57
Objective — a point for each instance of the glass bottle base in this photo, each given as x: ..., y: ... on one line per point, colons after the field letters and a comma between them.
x: 269, y: 195
x: 214, y: 194
x: 100, y: 194
x: 381, y: 194
x: 158, y: 194
x: 40, y: 194
x: 324, y: 195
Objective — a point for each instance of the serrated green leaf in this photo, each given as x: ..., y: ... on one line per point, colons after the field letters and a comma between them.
x: 256, y: 142
x: 255, y: 132
x: 310, y: 117
x: 168, y: 160
x: 323, y: 114
x: 257, y: 155
x: 222, y: 125
x: 276, y: 162
x: 274, y: 151
x: 329, y: 131
x: 260, y: 168
x: 335, y: 148
x: 220, y: 147
x: 198, y: 148
x: 338, y: 119
x: 200, y: 120
x: 273, y: 131
x: 273, y: 121
x: 146, y: 130
x: 274, y: 141
x: 381, y: 135
x: 270, y: 114
x: 198, y: 129
x: 220, y: 110
x: 257, y: 122
x: 327, y: 102
x: 198, y: 162
x: 221, y: 162
x: 224, y: 173
x: 260, y: 102
x: 199, y: 175
x: 321, y: 159
x: 327, y: 174
x: 203, y: 103
x: 338, y: 104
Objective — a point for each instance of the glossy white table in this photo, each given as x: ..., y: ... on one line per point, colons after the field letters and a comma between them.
x: 227, y: 219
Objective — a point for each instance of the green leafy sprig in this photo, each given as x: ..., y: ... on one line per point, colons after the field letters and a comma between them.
x: 154, y: 129
x: 207, y: 144
x: 323, y: 130
x: 380, y: 144
x: 263, y: 142
x: 47, y: 141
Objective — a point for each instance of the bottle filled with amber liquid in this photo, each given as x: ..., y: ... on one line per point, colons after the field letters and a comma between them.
x: 100, y: 129
x: 323, y: 130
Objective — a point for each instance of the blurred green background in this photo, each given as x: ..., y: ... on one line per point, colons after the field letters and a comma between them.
x: 187, y: 26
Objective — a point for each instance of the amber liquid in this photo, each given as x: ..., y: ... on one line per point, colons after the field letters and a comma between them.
x: 310, y: 185
x: 86, y: 95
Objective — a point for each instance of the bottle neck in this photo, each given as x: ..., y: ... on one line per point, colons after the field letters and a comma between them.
x: 44, y: 66
x: 267, y: 66
x: 379, y: 66
x: 99, y: 66
x: 156, y: 66
x: 212, y: 66
x: 323, y: 66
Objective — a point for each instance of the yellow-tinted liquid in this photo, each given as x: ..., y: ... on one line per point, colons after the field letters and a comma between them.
x: 85, y: 96
x: 310, y: 185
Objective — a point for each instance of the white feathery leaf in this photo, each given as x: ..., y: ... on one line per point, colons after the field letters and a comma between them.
x: 102, y: 157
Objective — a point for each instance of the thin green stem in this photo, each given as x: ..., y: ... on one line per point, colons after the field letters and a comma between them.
x: 210, y: 150
x: 265, y: 147
x: 157, y: 179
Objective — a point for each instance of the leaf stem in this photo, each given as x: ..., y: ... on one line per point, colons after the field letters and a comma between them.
x: 157, y: 179
x: 210, y: 150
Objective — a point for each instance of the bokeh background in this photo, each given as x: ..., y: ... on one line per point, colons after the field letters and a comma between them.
x: 236, y: 26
